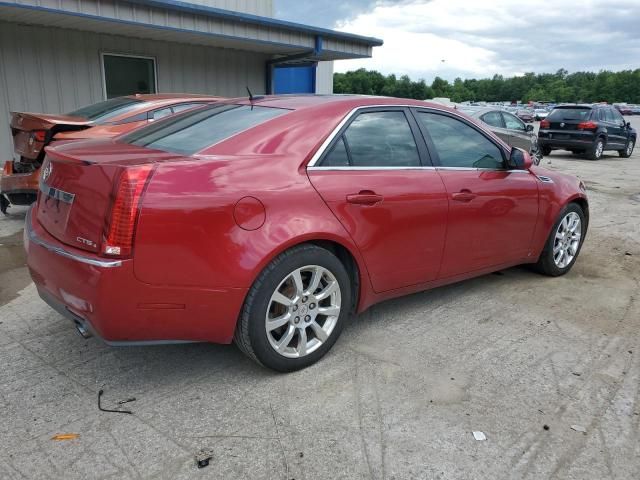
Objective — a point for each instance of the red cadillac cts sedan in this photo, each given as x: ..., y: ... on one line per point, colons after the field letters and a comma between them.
x: 269, y: 221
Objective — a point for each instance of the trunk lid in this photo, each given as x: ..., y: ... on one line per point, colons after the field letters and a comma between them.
x: 33, y: 131
x: 78, y: 185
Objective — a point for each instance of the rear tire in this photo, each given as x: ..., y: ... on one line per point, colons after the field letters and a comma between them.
x: 295, y: 310
x: 4, y: 204
x: 596, y: 150
x: 628, y: 149
x: 564, y: 243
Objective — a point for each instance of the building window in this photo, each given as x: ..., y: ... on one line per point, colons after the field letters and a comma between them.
x: 127, y: 75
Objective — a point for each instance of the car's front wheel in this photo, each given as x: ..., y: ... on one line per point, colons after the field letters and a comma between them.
x: 564, y: 242
x: 295, y: 310
x: 628, y: 149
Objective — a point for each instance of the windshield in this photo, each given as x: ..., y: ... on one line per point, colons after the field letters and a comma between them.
x: 103, y: 111
x: 195, y: 130
x: 574, y: 113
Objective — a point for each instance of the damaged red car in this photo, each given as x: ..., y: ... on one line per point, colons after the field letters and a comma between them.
x: 268, y: 221
x: 32, y: 132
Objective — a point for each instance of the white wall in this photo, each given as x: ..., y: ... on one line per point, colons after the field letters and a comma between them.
x: 324, y: 77
x: 263, y: 8
x: 53, y: 70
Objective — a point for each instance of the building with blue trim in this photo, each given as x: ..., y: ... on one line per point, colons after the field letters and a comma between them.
x: 58, y: 55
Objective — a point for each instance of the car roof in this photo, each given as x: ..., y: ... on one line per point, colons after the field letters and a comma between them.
x: 300, y: 102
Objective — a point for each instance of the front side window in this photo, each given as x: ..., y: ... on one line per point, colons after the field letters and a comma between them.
x: 460, y: 145
x: 617, y: 116
x: 513, y: 123
x: 128, y: 75
x: 493, y: 118
x: 377, y: 139
x: 195, y: 130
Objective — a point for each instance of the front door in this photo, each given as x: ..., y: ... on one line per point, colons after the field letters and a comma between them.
x: 492, y: 210
x: 374, y: 178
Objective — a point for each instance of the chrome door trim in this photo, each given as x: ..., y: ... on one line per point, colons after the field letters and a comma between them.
x: 33, y: 237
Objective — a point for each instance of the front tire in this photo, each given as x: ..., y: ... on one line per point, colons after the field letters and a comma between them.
x: 628, y: 149
x: 295, y: 310
x: 564, y: 243
x: 546, y: 151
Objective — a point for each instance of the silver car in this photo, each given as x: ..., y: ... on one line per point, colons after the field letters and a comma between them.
x: 509, y: 128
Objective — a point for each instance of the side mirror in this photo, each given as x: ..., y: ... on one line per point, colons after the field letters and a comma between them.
x: 628, y: 124
x: 519, y: 160
x: 529, y: 128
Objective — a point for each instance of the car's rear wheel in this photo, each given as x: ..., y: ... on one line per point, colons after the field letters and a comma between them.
x: 4, y: 204
x: 295, y: 310
x: 596, y: 150
x: 628, y: 149
x: 564, y: 242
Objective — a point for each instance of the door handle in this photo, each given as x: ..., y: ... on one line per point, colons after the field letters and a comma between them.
x: 365, y: 197
x: 464, y: 196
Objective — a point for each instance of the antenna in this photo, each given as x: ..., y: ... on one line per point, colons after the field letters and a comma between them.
x: 250, y: 94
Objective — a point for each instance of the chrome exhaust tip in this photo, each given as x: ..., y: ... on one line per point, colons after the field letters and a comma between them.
x: 82, y: 329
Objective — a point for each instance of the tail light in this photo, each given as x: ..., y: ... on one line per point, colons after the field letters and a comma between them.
x: 587, y: 126
x: 7, y: 170
x: 39, y: 135
x: 545, y: 124
x: 125, y: 211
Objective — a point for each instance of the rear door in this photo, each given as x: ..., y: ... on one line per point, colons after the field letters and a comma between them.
x: 492, y: 210
x: 377, y: 179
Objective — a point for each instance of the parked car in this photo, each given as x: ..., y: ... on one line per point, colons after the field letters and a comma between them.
x: 509, y: 128
x: 32, y: 132
x: 635, y: 109
x: 269, y: 222
x: 624, y: 109
x: 540, y: 113
x: 525, y: 115
x: 588, y: 130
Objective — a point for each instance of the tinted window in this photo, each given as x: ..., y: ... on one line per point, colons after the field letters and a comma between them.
x: 197, y: 129
x: 608, y: 115
x: 185, y: 106
x: 617, y: 116
x: 493, y: 118
x: 458, y: 144
x: 103, y: 111
x: 161, y: 113
x: 513, y: 123
x: 381, y: 139
x: 562, y: 114
x: 338, y: 156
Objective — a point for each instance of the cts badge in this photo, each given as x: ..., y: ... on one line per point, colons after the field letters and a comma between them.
x: 46, y: 172
x: 86, y: 242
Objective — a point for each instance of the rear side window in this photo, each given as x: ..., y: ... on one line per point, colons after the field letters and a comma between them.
x: 493, y: 118
x: 102, y: 111
x: 198, y: 129
x: 562, y: 114
x: 376, y: 139
x: 460, y: 145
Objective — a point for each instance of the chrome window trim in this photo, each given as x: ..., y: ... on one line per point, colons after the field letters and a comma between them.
x: 462, y: 169
x: 31, y: 235
x: 346, y: 119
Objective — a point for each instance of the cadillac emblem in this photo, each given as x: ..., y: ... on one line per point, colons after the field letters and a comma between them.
x: 46, y: 172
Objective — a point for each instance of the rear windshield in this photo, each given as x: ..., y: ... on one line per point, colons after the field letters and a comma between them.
x: 577, y: 113
x: 103, y: 111
x: 195, y: 130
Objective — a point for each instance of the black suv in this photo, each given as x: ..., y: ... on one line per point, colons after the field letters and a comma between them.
x: 586, y: 129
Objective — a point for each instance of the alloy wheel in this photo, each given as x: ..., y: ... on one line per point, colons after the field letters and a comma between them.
x: 599, y: 149
x: 567, y: 240
x: 630, y: 146
x: 303, y: 311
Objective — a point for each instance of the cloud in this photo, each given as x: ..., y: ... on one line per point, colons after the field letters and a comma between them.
x: 480, y: 38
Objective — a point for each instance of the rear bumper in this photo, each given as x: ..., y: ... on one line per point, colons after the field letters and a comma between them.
x: 573, y: 140
x: 21, y: 187
x: 105, y: 298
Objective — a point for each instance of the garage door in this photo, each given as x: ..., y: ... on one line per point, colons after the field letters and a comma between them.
x: 295, y: 79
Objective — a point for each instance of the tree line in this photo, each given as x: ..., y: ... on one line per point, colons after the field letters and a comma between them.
x: 562, y: 86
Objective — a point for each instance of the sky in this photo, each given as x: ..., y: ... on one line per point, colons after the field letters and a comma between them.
x: 480, y: 38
